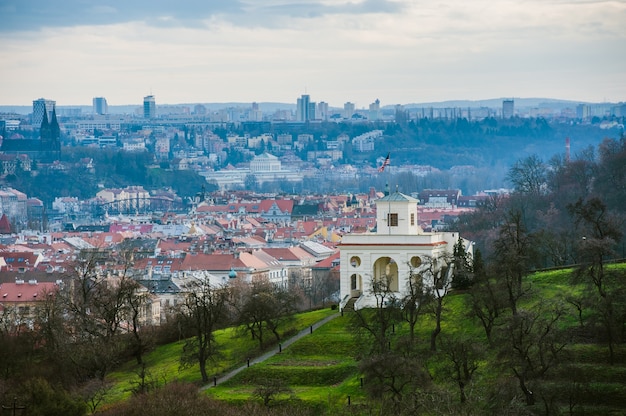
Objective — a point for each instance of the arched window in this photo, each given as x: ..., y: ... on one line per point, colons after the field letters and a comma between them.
x: 387, y: 268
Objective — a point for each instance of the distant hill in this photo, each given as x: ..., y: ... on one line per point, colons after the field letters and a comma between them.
x: 497, y: 103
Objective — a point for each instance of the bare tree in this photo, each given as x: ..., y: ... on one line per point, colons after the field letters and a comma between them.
x: 437, y: 272
x: 514, y: 251
x: 202, y: 312
x: 98, y: 308
x: 529, y: 175
x: 377, y: 324
x: 414, y: 303
x: 93, y: 394
x: 601, y: 232
x: 463, y: 354
x: 264, y: 307
x: 270, y: 389
x: 486, y: 302
x: 393, y: 375
x: 531, y: 344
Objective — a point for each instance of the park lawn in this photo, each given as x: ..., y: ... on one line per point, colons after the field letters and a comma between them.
x: 163, y: 363
x: 319, y: 369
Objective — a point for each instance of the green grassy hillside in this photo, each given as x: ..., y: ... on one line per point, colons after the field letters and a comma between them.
x: 321, y: 371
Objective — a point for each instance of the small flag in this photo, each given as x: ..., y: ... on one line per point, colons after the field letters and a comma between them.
x: 385, y: 163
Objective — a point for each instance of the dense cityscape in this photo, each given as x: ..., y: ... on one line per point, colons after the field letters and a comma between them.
x: 304, y: 208
x: 129, y: 226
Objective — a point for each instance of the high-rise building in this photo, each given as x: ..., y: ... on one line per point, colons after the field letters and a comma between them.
x: 149, y: 107
x: 302, y: 111
x: 508, y: 108
x: 312, y: 111
x: 100, y: 105
x: 255, y: 113
x: 348, y: 110
x: 322, y: 111
x: 583, y: 111
x: 41, y: 107
x: 375, y: 110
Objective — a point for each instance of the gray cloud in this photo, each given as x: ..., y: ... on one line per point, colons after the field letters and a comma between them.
x: 36, y: 14
x: 311, y: 9
x: 32, y: 15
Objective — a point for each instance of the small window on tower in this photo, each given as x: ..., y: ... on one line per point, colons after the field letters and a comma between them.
x: 412, y: 218
x: 392, y: 220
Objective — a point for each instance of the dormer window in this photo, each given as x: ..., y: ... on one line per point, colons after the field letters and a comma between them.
x: 412, y: 218
x: 392, y: 219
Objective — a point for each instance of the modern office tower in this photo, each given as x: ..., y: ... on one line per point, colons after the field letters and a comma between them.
x: 508, y: 108
x: 149, y: 107
x: 100, y: 106
x: 302, y: 111
x: 348, y: 110
x: 375, y: 110
x: 322, y: 111
x: 38, y: 110
x: 312, y: 111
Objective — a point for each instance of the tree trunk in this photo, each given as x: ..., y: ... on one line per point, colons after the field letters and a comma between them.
x: 437, y: 330
x: 203, y: 373
x: 530, y: 397
x: 462, y: 389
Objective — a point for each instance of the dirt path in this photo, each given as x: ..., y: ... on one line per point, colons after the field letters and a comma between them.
x: 286, y: 343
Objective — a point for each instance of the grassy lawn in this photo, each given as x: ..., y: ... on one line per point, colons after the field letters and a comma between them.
x: 163, y: 363
x: 319, y: 369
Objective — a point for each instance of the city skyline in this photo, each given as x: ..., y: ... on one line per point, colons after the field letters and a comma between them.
x: 396, y: 51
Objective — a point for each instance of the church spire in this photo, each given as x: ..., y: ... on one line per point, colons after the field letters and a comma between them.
x: 55, y: 133
x: 55, y: 130
x: 44, y: 130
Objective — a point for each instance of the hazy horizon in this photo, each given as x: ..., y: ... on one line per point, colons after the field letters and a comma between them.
x: 520, y: 103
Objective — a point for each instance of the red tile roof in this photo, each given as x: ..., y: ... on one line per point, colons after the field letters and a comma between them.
x: 327, y: 263
x: 285, y: 205
x: 24, y: 292
x: 211, y: 262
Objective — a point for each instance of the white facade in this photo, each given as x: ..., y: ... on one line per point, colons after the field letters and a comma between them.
x: 396, y: 248
x: 366, y: 141
x: 348, y: 110
x: 265, y: 163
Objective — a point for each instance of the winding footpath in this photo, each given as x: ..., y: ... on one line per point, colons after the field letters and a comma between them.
x: 286, y: 343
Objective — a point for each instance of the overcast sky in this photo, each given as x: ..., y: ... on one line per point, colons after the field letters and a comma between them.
x: 399, y: 51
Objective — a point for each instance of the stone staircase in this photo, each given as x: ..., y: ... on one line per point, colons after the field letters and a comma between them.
x: 350, y: 305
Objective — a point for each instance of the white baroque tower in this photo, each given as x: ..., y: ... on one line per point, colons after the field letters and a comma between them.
x: 397, y: 247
